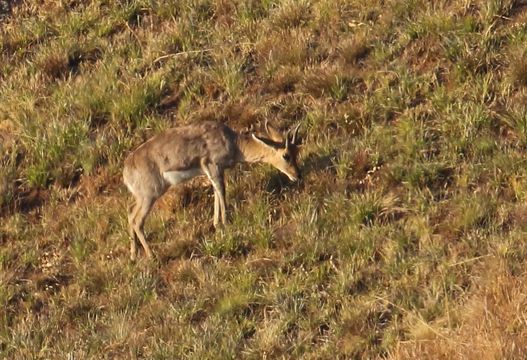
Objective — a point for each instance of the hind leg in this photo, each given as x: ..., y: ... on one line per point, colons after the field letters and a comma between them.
x: 146, y: 187
x: 143, y: 208
x: 132, y: 212
x: 217, y: 209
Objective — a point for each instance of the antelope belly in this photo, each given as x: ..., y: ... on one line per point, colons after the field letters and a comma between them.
x: 176, y: 177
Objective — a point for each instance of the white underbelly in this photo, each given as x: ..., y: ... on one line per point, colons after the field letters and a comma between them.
x: 177, y: 177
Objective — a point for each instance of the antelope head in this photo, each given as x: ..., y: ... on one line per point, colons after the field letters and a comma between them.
x: 282, y: 150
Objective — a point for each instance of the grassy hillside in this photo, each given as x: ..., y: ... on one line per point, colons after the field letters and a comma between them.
x: 405, y: 240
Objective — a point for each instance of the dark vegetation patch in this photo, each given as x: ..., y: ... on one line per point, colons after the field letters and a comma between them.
x: 354, y: 50
x: 519, y: 71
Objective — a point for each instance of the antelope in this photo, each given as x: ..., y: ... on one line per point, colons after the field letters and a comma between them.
x: 208, y: 148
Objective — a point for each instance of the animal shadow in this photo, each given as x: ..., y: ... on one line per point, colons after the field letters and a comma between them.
x: 279, y: 183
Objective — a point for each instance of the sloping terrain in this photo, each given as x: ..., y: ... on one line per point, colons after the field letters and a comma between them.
x: 405, y: 239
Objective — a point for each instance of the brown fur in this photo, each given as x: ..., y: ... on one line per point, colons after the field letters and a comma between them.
x: 208, y: 148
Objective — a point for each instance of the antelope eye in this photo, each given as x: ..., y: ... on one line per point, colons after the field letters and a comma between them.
x: 286, y: 157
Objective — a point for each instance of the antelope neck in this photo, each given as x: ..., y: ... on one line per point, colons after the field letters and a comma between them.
x: 251, y: 150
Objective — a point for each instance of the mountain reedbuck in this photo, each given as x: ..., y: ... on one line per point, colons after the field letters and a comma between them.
x: 208, y: 148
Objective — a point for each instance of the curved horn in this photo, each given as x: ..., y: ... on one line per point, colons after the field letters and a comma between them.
x: 295, y: 134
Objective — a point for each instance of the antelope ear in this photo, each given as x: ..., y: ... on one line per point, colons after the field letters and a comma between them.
x: 262, y: 140
x: 273, y: 133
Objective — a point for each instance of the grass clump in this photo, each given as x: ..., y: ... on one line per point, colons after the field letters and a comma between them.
x: 62, y: 144
x: 518, y: 69
x: 291, y: 14
x: 354, y: 50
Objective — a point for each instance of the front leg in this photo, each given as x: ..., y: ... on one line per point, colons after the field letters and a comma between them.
x: 216, y: 209
x: 223, y: 207
x: 216, y: 177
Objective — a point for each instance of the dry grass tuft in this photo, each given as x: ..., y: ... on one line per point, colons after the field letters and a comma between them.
x: 284, y: 80
x: 321, y: 82
x: 490, y: 323
x: 519, y: 72
x: 354, y: 50
x: 55, y: 65
x: 291, y: 14
x: 289, y: 47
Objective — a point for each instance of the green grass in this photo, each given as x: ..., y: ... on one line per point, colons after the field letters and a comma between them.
x: 403, y: 241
